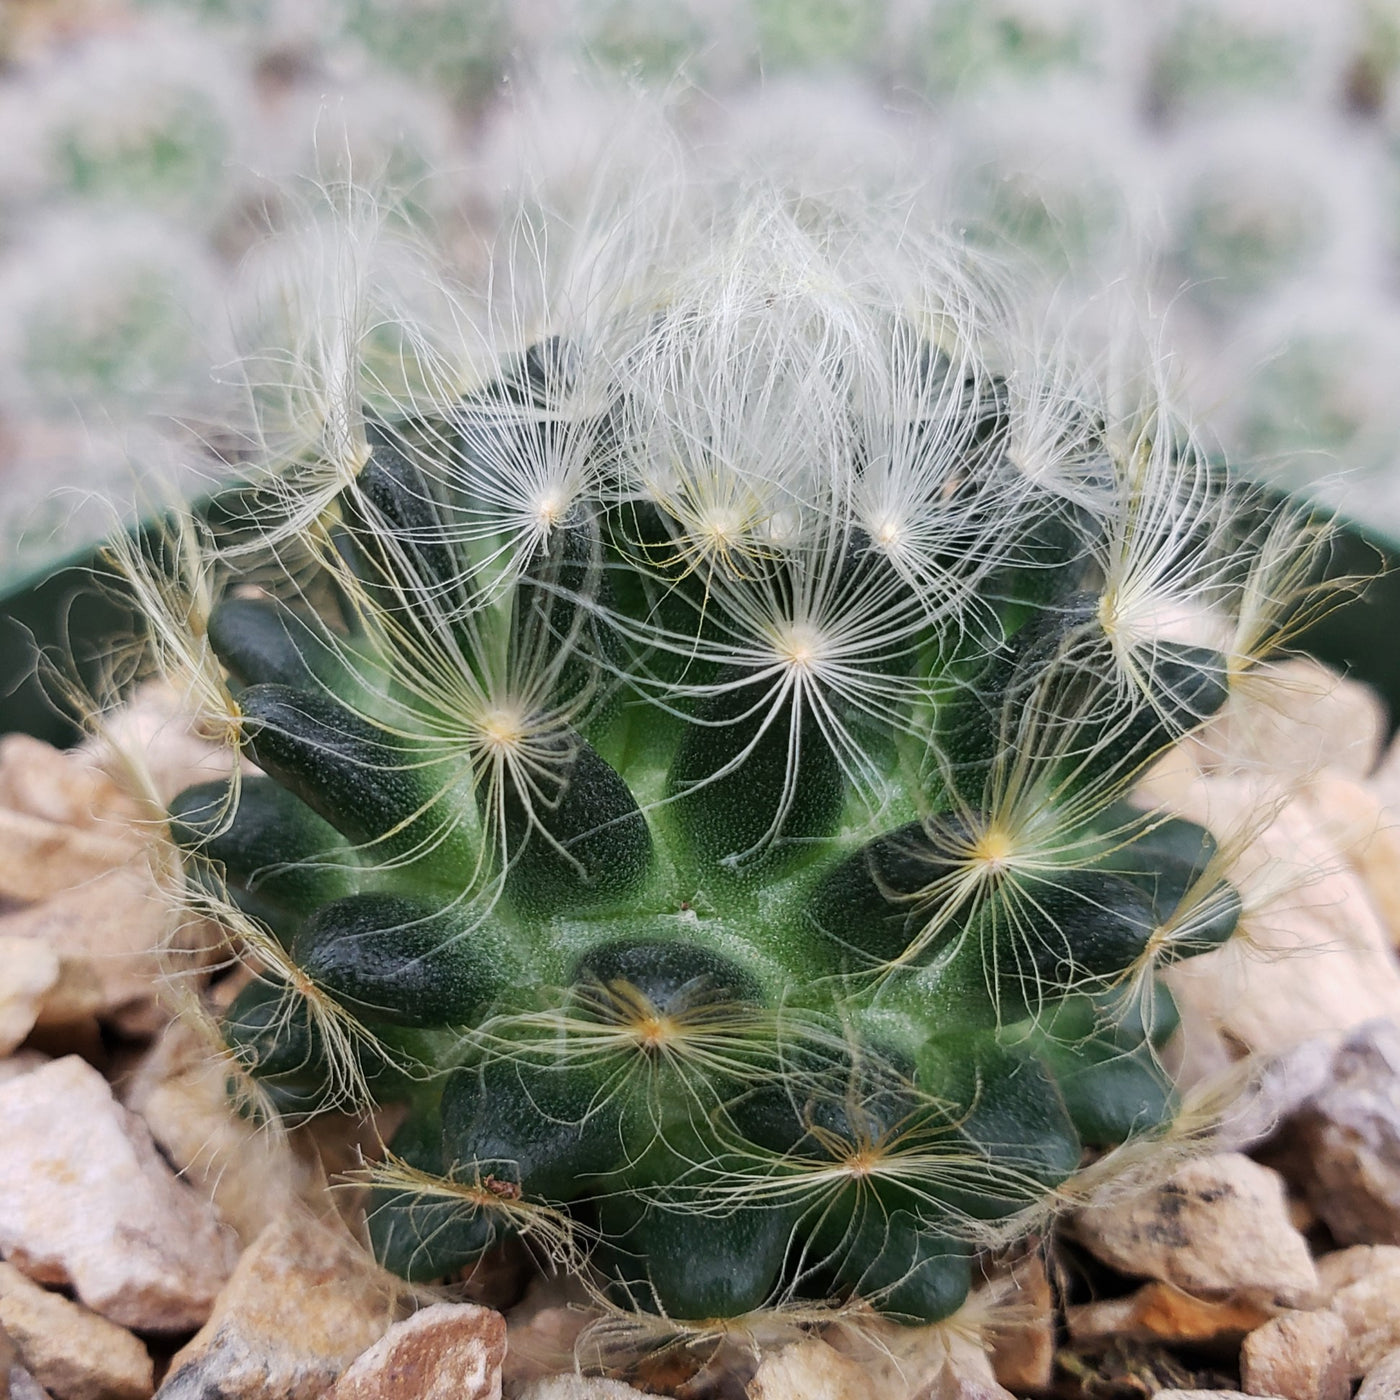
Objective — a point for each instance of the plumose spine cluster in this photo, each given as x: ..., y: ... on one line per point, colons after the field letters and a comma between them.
x: 694, y: 769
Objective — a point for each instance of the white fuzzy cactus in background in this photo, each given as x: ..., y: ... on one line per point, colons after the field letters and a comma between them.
x: 1239, y: 158
x: 110, y: 326
x: 111, y: 315
x: 157, y: 118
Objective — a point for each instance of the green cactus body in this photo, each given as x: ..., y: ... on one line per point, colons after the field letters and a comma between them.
x: 708, y: 801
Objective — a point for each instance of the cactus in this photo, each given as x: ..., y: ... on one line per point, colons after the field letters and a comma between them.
x: 109, y: 316
x: 156, y: 118
x: 694, y: 768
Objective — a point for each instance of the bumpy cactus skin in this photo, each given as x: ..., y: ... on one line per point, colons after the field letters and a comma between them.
x: 699, y: 789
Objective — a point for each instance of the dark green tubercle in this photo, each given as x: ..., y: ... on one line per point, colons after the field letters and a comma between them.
x: 260, y: 640
x: 403, y: 961
x: 574, y: 833
x: 768, y: 920
x: 418, y: 1235
x: 270, y: 847
x: 275, y: 1038
x: 744, y: 772
x: 377, y: 788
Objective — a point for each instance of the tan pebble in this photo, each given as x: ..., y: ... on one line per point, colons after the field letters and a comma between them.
x: 1209, y: 1395
x: 1384, y: 779
x: 1300, y: 1355
x: 1301, y: 1215
x: 580, y: 1388
x: 543, y: 1345
x: 303, y: 1303
x: 79, y: 869
x: 1367, y: 833
x: 1303, y: 714
x: 23, y: 1386
x: 59, y: 785
x: 1382, y: 1380
x: 1277, y: 1089
x: 1318, y: 960
x: 114, y: 925
x: 39, y: 859
x: 21, y: 1062
x: 1346, y: 1139
x: 940, y: 1362
x: 1370, y: 1307
x: 1023, y: 1348
x: 87, y: 1201
x: 1216, y: 1228
x: 1157, y: 1312
x: 961, y: 1382
x: 75, y: 999
x: 449, y: 1351
x: 1173, y: 781
x: 154, y: 731
x: 252, y: 1176
x: 1344, y: 1266
x: 28, y: 973
x: 70, y: 1351
x: 808, y: 1370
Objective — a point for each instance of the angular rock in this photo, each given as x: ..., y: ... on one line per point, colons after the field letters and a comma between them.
x: 1384, y: 779
x: 449, y: 1351
x: 1318, y: 960
x: 808, y: 1370
x: 962, y: 1380
x: 87, y: 1201
x: 59, y: 785
x: 1301, y: 1215
x: 154, y: 732
x: 16, y: 1383
x: 580, y: 1388
x: 1281, y: 1086
x: 20, y: 1385
x: 114, y: 925
x: 918, y: 1363
x: 1370, y: 1308
x: 1157, y: 1312
x: 1299, y: 1355
x: 252, y: 1176
x: 72, y: 1352
x: 1357, y: 820
x: 1216, y: 1228
x: 28, y: 972
x: 39, y: 858
x: 1347, y: 1266
x: 22, y: 1062
x: 1382, y: 1380
x: 76, y: 876
x: 303, y: 1303
x: 1306, y: 716
x: 1207, y: 1395
x: 1346, y: 1140
x: 77, y: 999
x: 543, y: 1330
x: 1023, y: 1348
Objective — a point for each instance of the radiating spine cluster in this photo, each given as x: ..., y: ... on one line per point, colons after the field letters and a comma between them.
x: 695, y: 767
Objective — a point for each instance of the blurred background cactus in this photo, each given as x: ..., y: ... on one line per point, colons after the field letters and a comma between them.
x: 1240, y: 159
